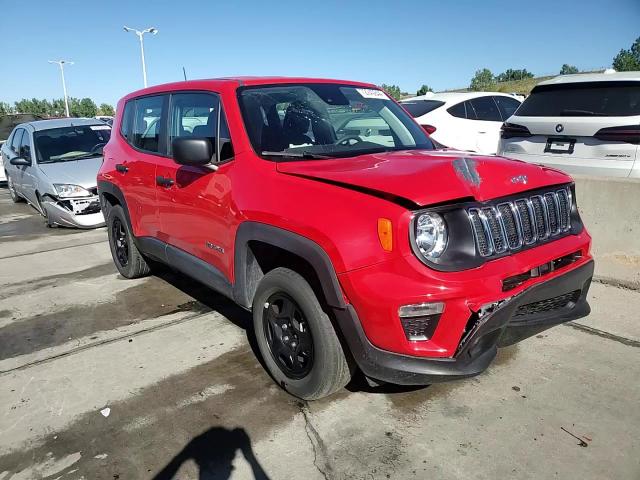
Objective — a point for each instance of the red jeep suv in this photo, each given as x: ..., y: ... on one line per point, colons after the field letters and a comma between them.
x: 323, y: 208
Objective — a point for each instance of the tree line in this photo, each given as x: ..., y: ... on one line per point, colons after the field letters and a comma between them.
x: 78, y: 107
x: 484, y: 79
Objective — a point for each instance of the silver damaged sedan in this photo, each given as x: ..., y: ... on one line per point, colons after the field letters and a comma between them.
x: 53, y: 164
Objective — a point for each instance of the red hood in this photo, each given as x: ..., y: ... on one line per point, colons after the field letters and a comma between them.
x: 429, y: 177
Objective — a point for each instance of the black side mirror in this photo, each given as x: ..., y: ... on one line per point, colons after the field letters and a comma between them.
x: 20, y: 162
x: 193, y: 150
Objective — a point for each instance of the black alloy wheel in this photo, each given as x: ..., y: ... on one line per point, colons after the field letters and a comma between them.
x: 288, y: 336
x: 119, y: 235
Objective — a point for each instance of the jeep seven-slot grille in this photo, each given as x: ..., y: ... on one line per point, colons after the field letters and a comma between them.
x: 521, y: 222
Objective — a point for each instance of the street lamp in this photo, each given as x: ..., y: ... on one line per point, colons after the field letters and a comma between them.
x: 62, y: 63
x: 139, y: 33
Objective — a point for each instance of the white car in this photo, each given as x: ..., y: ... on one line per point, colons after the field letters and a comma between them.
x: 463, y: 121
x: 584, y: 123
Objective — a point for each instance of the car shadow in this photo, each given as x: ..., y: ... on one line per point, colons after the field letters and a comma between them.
x: 213, y: 301
x: 213, y: 452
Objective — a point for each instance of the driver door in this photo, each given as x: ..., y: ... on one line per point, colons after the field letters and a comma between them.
x: 194, y: 202
x: 27, y: 173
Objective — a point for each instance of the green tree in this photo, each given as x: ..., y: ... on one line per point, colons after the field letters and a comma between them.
x: 392, y: 90
x: 511, y: 74
x: 568, y: 69
x: 57, y: 108
x: 628, y: 60
x: 106, y: 109
x: 482, y: 80
x: 424, y: 89
x: 5, y: 108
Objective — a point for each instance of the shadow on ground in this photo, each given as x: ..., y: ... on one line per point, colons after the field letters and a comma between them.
x: 213, y: 453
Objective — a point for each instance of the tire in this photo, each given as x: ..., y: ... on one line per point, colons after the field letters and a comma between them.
x: 328, y: 371
x: 126, y: 256
x: 12, y: 191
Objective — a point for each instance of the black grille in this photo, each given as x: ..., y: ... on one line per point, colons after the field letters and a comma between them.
x: 522, y: 221
x: 548, y: 305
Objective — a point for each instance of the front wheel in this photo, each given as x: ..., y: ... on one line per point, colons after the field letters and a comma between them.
x: 12, y: 190
x: 296, y: 338
x: 128, y: 259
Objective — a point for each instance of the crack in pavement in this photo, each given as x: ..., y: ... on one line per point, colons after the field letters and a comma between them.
x: 617, y: 283
x: 601, y: 333
x: 316, y: 442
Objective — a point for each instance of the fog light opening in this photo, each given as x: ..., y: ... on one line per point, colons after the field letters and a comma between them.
x: 419, y: 321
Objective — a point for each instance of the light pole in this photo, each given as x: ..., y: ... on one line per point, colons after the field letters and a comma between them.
x: 62, y: 63
x: 139, y: 33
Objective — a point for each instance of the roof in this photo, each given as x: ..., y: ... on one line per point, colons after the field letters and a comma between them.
x: 593, y: 77
x: 62, y: 122
x: 450, y: 97
x: 239, y: 81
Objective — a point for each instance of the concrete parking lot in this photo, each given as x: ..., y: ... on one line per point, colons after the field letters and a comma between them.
x: 107, y: 378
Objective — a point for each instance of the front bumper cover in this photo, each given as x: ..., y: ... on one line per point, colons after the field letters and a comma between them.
x: 60, y: 214
x: 479, y: 347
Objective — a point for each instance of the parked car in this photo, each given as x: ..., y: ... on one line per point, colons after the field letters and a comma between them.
x: 106, y: 119
x: 351, y: 250
x: 7, y: 124
x: 52, y: 164
x: 585, y: 123
x: 463, y: 121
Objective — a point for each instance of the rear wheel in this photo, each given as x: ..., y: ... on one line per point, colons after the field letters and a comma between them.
x: 12, y: 190
x: 296, y: 338
x: 128, y: 259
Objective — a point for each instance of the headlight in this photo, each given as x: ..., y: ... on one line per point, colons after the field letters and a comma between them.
x: 69, y: 191
x: 431, y: 235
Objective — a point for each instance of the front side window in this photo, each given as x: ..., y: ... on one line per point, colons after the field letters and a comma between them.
x: 584, y: 99
x: 194, y: 115
x: 71, y: 143
x: 17, y: 138
x: 326, y: 120
x: 147, y: 123
x: 485, y: 109
x: 25, y: 146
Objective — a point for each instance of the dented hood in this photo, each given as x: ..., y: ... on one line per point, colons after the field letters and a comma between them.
x: 426, y: 177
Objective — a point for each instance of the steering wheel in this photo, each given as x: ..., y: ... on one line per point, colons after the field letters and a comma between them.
x: 346, y: 141
x: 97, y: 146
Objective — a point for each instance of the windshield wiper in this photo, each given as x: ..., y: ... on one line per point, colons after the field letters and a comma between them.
x: 580, y: 113
x: 304, y: 155
x: 80, y: 157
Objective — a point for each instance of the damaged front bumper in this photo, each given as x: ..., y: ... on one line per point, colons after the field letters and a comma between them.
x: 82, y: 212
x: 531, y: 311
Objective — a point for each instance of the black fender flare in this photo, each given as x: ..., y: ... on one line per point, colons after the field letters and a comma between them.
x: 299, y: 245
x: 113, y: 190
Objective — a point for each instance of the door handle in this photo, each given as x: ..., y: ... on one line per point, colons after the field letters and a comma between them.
x: 164, y: 181
x: 122, y: 168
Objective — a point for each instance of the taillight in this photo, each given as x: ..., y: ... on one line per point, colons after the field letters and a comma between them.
x: 510, y: 130
x: 629, y: 134
x: 429, y: 129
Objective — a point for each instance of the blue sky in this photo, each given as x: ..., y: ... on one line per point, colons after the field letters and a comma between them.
x: 405, y: 42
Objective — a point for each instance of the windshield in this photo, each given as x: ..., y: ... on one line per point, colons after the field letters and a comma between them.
x: 71, y: 143
x: 583, y: 99
x: 417, y: 108
x: 326, y: 120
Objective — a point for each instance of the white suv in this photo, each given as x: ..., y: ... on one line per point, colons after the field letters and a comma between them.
x: 587, y: 124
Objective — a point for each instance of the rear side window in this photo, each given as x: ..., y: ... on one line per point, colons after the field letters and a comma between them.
x: 417, y: 108
x: 507, y: 106
x: 587, y: 99
x: 486, y: 109
x: 147, y: 122
x: 458, y: 110
x: 126, y: 126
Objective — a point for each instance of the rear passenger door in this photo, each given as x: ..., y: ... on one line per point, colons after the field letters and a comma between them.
x: 13, y: 151
x: 144, y: 131
x: 487, y: 123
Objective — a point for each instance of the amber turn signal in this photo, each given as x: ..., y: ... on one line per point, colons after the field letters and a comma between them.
x: 385, y: 234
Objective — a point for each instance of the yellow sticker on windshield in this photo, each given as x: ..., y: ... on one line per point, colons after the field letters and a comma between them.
x: 371, y: 93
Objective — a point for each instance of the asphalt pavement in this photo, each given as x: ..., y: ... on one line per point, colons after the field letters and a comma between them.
x: 107, y: 378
